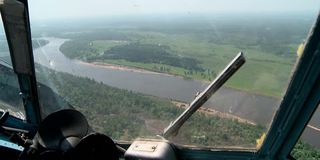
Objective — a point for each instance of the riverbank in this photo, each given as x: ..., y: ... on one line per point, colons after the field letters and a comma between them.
x: 120, y: 67
x: 135, y: 69
x: 219, y: 105
x: 213, y: 112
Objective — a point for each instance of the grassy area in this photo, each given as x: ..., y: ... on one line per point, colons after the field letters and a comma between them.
x: 264, y: 73
x: 269, y: 65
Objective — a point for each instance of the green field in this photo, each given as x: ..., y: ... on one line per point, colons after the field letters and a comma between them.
x: 269, y: 46
x: 264, y: 73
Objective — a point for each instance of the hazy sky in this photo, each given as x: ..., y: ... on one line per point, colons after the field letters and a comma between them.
x: 57, y: 9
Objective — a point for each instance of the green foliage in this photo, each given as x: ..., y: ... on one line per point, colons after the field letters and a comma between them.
x: 98, y: 34
x: 9, y: 88
x: 126, y: 115
x: 304, y: 151
x: 111, y: 110
x: 79, y: 49
x: 214, y: 131
x: 104, y: 45
x: 191, y: 50
x: 150, y: 53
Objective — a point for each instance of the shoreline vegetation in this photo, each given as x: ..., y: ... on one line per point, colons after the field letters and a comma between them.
x: 121, y: 68
x: 213, y: 112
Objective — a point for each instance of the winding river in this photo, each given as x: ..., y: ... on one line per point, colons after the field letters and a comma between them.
x: 257, y: 108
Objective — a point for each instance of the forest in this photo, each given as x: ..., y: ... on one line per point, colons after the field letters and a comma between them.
x: 125, y: 115
x: 150, y: 53
x: 303, y: 151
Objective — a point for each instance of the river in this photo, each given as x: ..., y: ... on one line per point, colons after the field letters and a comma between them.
x: 253, y: 107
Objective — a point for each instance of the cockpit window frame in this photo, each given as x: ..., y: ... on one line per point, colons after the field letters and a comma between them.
x: 296, y: 109
x: 27, y: 80
x: 299, y: 103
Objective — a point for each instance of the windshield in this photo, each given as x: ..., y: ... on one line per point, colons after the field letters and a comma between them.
x: 10, y: 100
x: 133, y: 66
